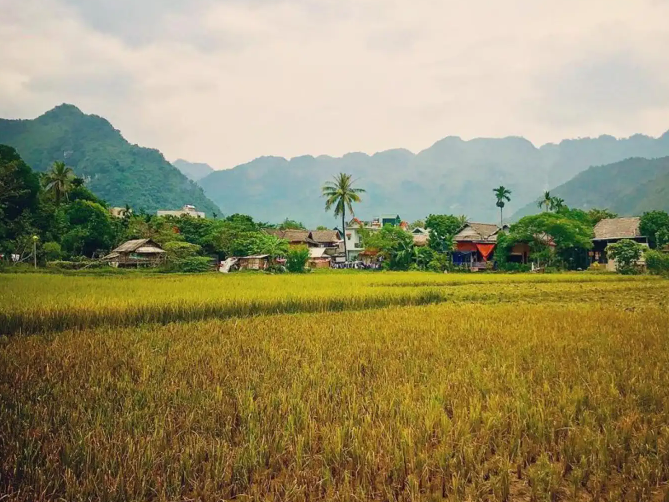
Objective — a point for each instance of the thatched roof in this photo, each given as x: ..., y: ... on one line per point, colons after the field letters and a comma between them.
x: 290, y: 235
x: 323, y: 236
x: 420, y: 240
x: 478, y: 232
x: 618, y: 228
x: 140, y: 246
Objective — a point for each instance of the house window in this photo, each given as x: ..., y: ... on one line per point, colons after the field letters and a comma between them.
x: 358, y: 245
x: 348, y: 237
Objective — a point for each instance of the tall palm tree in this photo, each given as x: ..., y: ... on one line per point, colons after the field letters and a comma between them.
x: 545, y: 203
x: 59, y: 180
x: 340, y: 194
x: 502, y: 194
x: 556, y: 204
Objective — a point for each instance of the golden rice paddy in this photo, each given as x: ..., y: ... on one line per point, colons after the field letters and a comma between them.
x: 334, y: 387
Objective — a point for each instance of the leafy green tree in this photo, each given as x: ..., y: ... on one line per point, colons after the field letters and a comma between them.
x: 58, y: 181
x: 657, y: 262
x: 571, y: 238
x: 395, y: 245
x: 19, y: 196
x: 340, y: 194
x: 178, y: 250
x: 297, y: 259
x: 417, y: 224
x: 52, y: 251
x: 503, y: 195
x: 597, y: 215
x: 545, y: 203
x: 655, y: 226
x: 442, y: 228
x: 291, y: 225
x: 423, y: 257
x: 322, y: 227
x: 270, y: 245
x: 626, y: 253
x: 91, y: 229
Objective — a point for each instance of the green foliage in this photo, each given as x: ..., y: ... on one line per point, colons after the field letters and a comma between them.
x: 657, y: 262
x: 502, y: 196
x: 291, y: 225
x: 440, y: 263
x: 191, y: 265
x: 340, y: 194
x: 179, y: 250
x: 655, y: 226
x: 571, y: 237
x: 626, y: 253
x: 51, y: 251
x: 424, y: 256
x: 263, y: 243
x: 322, y: 227
x: 91, y: 229
x: 58, y: 181
x: 297, y: 259
x: 596, y: 215
x: 119, y: 172
x: 442, y: 228
x: 395, y: 245
x: 545, y: 202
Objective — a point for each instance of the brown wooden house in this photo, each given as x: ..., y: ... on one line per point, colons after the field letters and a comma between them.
x: 137, y: 253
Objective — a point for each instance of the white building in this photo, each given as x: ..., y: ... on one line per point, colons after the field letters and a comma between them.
x: 187, y: 210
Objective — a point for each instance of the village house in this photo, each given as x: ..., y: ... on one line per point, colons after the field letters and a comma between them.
x: 421, y: 237
x: 294, y: 237
x: 356, y: 228
x: 475, y: 244
x: 610, y: 231
x: 137, y: 253
x: 187, y: 210
x: 328, y: 239
x: 255, y: 262
x: 318, y: 258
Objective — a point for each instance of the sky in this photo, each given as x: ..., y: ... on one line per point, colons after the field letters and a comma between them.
x: 226, y: 81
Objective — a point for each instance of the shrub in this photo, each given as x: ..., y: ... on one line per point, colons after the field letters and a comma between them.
x: 191, y: 265
x: 626, y: 253
x: 657, y: 262
x: 52, y: 251
x: 297, y: 259
x: 178, y: 250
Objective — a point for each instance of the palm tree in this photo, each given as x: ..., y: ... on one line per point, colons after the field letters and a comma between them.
x: 59, y: 180
x: 340, y: 194
x: 556, y: 204
x: 545, y: 202
x: 502, y: 194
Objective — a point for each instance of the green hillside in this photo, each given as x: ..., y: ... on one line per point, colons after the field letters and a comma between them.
x: 629, y: 188
x: 114, y: 169
x: 452, y: 176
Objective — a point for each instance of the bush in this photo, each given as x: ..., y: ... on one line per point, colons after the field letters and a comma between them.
x: 75, y: 265
x: 297, y: 259
x: 179, y: 250
x: 191, y: 265
x: 514, y: 267
x: 52, y: 251
x: 657, y: 262
x: 627, y: 254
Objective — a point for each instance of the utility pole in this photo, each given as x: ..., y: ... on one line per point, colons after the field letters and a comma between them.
x: 35, y: 249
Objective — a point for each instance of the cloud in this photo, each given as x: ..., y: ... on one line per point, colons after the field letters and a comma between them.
x: 225, y: 81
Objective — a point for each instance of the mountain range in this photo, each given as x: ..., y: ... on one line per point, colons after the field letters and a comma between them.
x: 193, y: 170
x: 452, y: 176
x: 628, y: 188
x: 113, y: 169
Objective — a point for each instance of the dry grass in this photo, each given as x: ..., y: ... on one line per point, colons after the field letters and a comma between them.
x: 542, y: 390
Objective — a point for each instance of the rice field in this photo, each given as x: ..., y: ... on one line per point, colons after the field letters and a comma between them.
x: 407, y: 386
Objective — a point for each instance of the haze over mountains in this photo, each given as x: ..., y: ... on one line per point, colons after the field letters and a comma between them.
x: 452, y: 176
x: 193, y: 170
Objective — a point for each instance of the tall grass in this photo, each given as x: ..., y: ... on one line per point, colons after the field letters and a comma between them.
x: 504, y: 401
x: 35, y: 303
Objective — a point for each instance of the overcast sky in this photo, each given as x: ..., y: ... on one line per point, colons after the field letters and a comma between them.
x: 225, y: 81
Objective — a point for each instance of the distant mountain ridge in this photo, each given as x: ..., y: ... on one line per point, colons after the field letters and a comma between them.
x: 452, y: 176
x: 114, y: 169
x: 628, y: 188
x: 193, y: 170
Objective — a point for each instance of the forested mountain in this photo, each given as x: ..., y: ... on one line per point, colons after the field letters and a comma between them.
x: 114, y: 169
x: 193, y: 170
x: 628, y: 188
x: 452, y: 176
